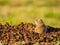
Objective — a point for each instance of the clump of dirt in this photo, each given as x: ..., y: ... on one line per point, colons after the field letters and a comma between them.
x: 25, y: 32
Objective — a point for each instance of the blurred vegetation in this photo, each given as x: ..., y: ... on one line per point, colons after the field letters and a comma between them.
x: 32, y: 2
x: 58, y: 43
x: 3, y: 2
x: 29, y: 15
x: 27, y: 11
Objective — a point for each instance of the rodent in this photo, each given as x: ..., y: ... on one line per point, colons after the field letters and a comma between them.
x: 40, y: 26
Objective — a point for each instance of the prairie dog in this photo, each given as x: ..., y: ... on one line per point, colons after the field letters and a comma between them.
x: 40, y: 26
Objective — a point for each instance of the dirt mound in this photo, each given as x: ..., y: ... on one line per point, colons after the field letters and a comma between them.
x: 25, y: 32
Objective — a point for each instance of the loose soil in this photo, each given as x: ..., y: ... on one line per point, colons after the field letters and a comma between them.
x: 25, y: 32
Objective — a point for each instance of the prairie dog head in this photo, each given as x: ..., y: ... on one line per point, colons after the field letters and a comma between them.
x: 39, y: 22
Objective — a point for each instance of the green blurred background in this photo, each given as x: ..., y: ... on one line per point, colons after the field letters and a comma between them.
x: 27, y: 11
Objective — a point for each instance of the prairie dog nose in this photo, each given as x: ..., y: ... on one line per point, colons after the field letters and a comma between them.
x: 40, y: 26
